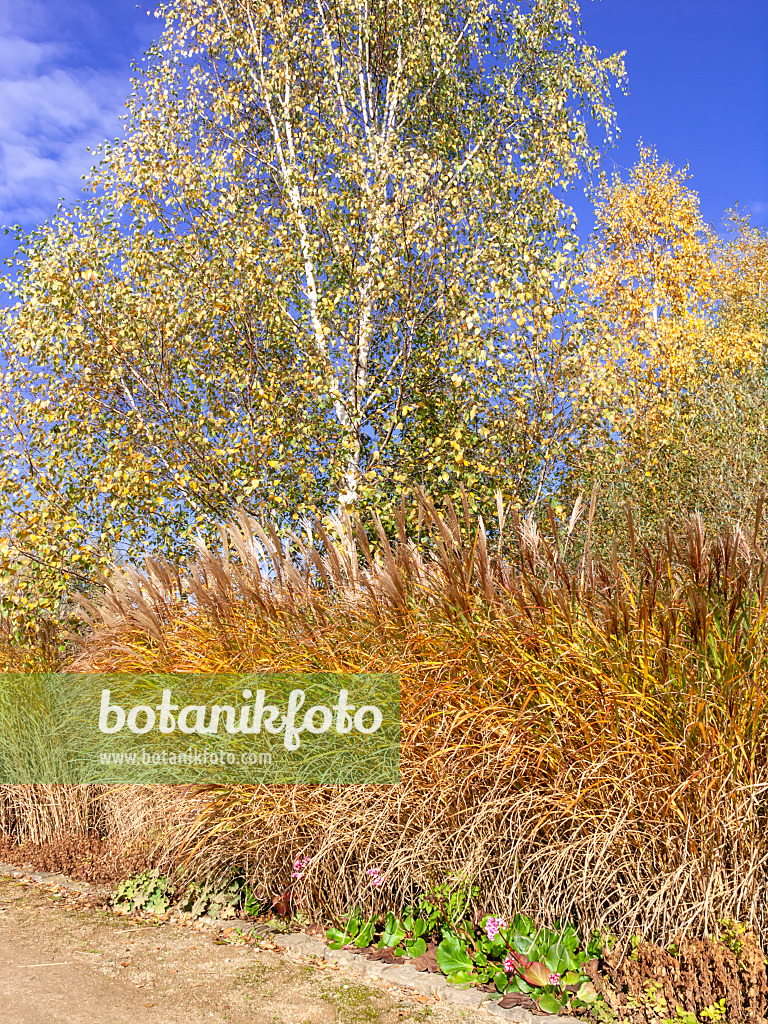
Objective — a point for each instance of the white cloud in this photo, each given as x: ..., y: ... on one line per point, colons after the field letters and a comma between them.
x: 50, y: 112
x: 19, y: 56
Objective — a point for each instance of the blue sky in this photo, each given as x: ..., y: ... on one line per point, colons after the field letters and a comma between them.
x: 698, y: 73
x: 698, y: 80
x: 64, y: 76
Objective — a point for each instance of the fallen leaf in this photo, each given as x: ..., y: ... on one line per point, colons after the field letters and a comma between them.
x: 386, y: 955
x: 427, y: 961
x: 517, y: 999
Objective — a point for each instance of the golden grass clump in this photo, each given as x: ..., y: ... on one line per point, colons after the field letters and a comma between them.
x: 583, y: 740
x: 96, y: 833
x: 42, y: 813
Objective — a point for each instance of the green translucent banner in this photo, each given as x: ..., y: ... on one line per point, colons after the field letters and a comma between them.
x: 192, y: 728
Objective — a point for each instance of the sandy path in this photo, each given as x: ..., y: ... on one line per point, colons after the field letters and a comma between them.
x: 66, y: 964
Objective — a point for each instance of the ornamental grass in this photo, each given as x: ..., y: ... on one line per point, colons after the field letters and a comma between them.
x: 581, y: 739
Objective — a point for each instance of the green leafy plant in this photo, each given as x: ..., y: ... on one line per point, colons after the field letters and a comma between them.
x: 253, y: 902
x: 220, y: 900
x: 405, y: 935
x: 148, y: 891
x: 355, y: 930
x: 714, y: 1013
x: 602, y: 1013
x: 545, y: 963
x: 682, y: 1017
x: 455, y: 961
x: 653, y: 1000
x: 445, y: 905
x: 731, y: 934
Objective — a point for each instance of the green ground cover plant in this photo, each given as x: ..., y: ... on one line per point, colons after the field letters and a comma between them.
x: 545, y: 963
x: 221, y: 899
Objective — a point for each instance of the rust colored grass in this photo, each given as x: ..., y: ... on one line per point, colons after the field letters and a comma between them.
x: 583, y: 740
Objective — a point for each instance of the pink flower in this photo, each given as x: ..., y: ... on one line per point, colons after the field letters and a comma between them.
x: 375, y: 875
x: 493, y: 926
x: 508, y: 965
x: 299, y: 866
x: 554, y: 979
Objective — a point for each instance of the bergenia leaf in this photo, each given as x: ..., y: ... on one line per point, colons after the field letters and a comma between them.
x: 452, y: 956
x: 415, y: 947
x: 549, y: 1003
x: 365, y: 937
x: 537, y: 973
x: 587, y: 993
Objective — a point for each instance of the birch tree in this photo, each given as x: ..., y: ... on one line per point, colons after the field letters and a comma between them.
x: 675, y: 332
x: 329, y: 259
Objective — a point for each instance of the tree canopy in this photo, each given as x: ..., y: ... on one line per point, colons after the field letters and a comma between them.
x: 328, y: 260
x: 675, y: 333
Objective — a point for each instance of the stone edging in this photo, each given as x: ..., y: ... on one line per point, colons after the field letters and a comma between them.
x: 402, y: 975
x: 28, y: 874
x: 434, y: 985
